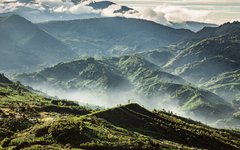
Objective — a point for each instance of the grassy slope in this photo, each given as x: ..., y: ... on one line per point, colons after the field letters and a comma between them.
x: 125, y: 127
x: 21, y: 108
x: 161, y: 125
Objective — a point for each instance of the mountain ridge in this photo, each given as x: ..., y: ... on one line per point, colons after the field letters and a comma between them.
x: 22, y: 46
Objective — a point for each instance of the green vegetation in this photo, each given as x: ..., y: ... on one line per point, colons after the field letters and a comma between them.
x: 226, y: 85
x: 30, y: 121
x: 127, y: 72
x: 207, y: 58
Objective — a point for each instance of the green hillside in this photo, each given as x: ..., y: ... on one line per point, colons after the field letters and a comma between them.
x: 125, y: 127
x: 207, y: 58
x: 21, y: 108
x: 226, y: 84
x: 136, y: 76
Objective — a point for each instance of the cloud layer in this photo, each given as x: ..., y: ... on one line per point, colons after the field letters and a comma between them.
x: 211, y: 11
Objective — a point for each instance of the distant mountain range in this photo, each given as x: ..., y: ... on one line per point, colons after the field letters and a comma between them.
x: 44, y: 11
x: 191, y: 25
x: 111, y: 36
x: 25, y: 47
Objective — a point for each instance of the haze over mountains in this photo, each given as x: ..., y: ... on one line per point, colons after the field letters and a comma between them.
x: 105, y: 61
x: 130, y: 77
x: 162, y: 69
x: 24, y: 46
x: 110, y: 36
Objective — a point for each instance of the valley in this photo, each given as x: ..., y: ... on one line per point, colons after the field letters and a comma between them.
x: 84, y: 74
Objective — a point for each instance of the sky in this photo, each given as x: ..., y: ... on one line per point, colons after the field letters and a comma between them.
x: 211, y: 11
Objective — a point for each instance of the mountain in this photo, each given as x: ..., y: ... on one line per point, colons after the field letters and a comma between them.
x: 208, y: 58
x: 209, y: 32
x: 90, y: 73
x: 134, y: 78
x: 105, y: 4
x: 25, y: 47
x: 191, y: 25
x: 113, y: 36
x: 125, y: 127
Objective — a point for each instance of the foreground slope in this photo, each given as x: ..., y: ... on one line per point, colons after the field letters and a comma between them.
x: 21, y: 107
x: 161, y: 125
x: 124, y: 127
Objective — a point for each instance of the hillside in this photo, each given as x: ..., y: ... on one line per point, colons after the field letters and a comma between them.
x: 172, y: 128
x: 158, y: 57
x: 112, y: 36
x: 25, y: 47
x: 207, y: 58
x: 226, y: 84
x: 131, y: 77
x: 125, y: 127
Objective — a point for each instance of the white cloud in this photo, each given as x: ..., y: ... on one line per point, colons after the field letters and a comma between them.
x: 179, y: 14
x: 211, y: 11
x: 162, y: 12
x: 80, y: 9
x: 151, y: 14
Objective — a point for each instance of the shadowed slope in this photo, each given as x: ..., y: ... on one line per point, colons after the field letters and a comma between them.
x: 164, y: 126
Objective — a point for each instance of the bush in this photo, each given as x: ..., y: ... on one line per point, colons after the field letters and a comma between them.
x: 15, y: 124
x: 5, y: 133
x: 67, y: 132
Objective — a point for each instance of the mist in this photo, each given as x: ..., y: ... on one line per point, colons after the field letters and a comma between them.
x: 118, y: 96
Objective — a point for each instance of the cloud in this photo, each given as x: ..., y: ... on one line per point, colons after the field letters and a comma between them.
x: 163, y: 12
x: 217, y: 11
x: 54, y: 3
x: 180, y: 14
x: 157, y: 16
